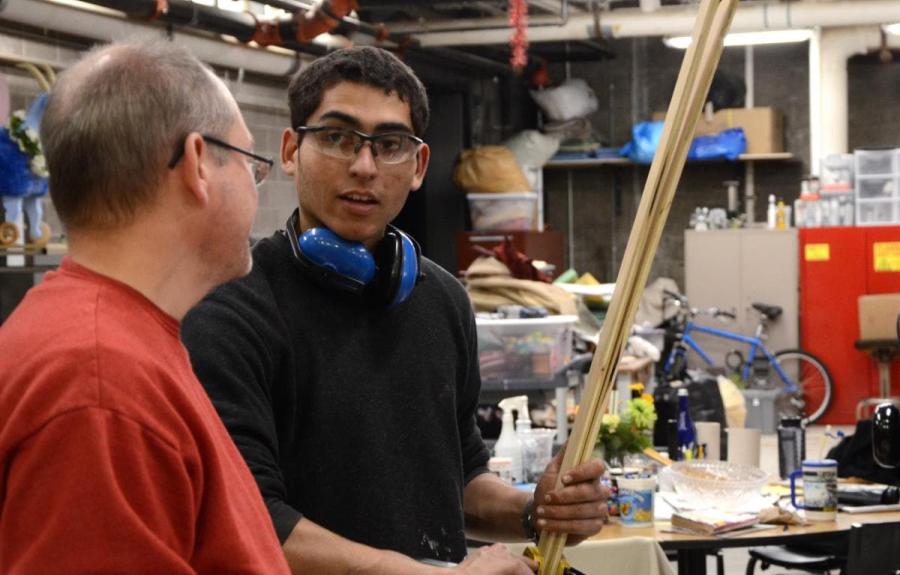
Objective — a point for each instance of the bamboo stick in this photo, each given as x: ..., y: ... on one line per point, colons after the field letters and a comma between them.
x: 697, y: 70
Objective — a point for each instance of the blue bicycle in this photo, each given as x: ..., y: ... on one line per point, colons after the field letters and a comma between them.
x: 802, y: 379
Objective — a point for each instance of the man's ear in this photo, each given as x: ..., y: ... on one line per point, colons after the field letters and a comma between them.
x: 421, y: 166
x: 289, y: 144
x: 194, y: 172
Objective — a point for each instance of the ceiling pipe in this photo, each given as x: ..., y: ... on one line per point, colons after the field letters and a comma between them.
x: 105, y: 20
x: 104, y: 26
x: 297, y: 31
x: 829, y: 109
x: 675, y: 21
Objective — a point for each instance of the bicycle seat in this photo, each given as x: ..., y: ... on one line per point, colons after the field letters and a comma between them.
x: 770, y: 311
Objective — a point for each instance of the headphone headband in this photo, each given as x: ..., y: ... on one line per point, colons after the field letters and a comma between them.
x: 387, y: 277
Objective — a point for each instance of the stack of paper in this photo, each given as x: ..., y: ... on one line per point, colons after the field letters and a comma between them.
x: 711, y: 521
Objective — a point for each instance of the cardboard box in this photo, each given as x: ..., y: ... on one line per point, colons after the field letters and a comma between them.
x: 764, y: 127
x: 878, y: 316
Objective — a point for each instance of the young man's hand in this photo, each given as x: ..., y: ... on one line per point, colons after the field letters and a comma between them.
x: 495, y: 560
x: 578, y: 508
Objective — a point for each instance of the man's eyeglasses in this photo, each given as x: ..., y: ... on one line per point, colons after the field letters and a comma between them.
x: 344, y: 143
x: 260, y: 165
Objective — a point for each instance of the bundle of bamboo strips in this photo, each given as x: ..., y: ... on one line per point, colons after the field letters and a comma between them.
x: 697, y: 70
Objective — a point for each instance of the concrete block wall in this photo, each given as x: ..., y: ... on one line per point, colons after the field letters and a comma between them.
x: 638, y: 82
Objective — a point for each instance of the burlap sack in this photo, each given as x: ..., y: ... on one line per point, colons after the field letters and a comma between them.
x: 489, y: 170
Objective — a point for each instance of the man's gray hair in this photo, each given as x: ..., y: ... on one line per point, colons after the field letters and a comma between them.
x: 115, y: 119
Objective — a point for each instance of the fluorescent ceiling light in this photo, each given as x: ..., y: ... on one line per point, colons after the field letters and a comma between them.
x: 748, y: 38
x: 893, y: 29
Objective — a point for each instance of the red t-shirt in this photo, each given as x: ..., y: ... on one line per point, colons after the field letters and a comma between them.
x: 112, y: 458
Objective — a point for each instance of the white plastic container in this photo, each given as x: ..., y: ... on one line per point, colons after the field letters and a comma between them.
x: 524, y: 348
x: 501, y: 467
x: 504, y: 212
x: 877, y: 187
x: 508, y: 446
x: 876, y: 162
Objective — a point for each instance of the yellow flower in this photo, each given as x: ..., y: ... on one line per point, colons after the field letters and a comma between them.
x: 610, y: 421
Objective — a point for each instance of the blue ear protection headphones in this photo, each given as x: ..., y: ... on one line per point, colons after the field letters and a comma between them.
x: 387, y: 278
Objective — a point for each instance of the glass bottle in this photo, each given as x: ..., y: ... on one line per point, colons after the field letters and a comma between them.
x: 686, y: 433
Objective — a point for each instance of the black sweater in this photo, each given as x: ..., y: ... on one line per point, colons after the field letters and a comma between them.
x: 360, y: 418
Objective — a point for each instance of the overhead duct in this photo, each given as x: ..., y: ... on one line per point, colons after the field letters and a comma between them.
x: 296, y: 32
x: 672, y: 21
x: 105, y: 26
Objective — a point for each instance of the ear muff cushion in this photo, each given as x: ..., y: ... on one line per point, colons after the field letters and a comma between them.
x: 409, y: 269
x: 398, y: 268
x: 326, y: 249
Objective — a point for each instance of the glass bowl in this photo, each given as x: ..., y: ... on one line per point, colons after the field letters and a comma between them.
x: 717, y: 483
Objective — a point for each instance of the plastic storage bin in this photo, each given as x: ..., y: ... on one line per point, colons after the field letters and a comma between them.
x: 506, y: 212
x: 877, y: 187
x: 838, y: 173
x: 876, y: 162
x: 876, y: 212
x: 533, y: 349
x: 761, y: 409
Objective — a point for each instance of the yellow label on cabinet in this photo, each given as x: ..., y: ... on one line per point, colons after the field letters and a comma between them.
x: 817, y: 252
x: 887, y: 256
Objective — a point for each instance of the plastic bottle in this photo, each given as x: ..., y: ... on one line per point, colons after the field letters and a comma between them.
x: 508, y: 444
x: 791, y: 445
x: 771, y: 212
x: 780, y: 224
x: 686, y: 433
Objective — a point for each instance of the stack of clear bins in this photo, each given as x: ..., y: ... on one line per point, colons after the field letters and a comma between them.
x: 877, y: 187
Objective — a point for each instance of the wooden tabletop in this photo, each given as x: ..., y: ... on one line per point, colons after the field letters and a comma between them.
x: 750, y: 538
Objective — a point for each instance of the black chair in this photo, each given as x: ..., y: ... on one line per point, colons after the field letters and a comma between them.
x: 782, y: 556
x: 874, y: 549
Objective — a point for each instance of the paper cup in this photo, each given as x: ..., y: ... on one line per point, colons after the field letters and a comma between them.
x: 708, y: 435
x: 743, y: 445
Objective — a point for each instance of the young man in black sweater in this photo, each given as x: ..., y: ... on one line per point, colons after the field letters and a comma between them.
x: 345, y: 365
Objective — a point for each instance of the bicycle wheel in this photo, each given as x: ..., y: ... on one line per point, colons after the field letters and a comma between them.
x: 813, y: 394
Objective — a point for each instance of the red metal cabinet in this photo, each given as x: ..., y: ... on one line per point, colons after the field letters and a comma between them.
x: 837, y: 265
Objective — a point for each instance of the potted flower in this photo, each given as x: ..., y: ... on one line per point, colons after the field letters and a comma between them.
x: 628, y: 432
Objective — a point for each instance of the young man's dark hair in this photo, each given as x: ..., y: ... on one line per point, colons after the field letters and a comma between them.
x: 361, y: 65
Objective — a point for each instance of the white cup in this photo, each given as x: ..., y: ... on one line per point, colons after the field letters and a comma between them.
x: 635, y: 500
x: 708, y: 435
x: 743, y: 445
x: 501, y: 467
x: 819, y: 489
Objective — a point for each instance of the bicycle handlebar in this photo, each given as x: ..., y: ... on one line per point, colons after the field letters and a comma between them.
x: 683, y: 302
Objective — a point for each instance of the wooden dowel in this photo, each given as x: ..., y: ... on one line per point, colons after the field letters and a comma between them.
x: 697, y: 70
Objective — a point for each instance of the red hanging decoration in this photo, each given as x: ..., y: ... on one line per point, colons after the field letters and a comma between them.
x: 518, y: 42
